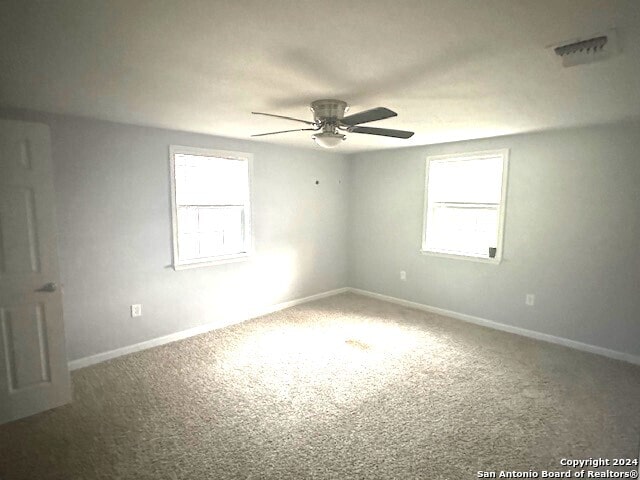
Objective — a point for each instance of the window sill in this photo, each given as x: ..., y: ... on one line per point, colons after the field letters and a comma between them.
x: 493, y: 261
x: 211, y: 262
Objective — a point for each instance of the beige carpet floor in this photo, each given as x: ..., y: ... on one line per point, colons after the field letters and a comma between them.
x: 343, y: 388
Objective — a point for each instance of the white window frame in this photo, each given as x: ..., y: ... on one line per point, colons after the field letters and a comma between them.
x: 504, y: 153
x: 220, y: 259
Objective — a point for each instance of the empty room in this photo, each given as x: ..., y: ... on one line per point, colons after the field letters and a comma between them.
x: 364, y: 239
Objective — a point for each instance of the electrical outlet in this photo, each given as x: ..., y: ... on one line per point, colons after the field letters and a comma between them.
x: 136, y: 310
x: 530, y: 299
x: 403, y: 276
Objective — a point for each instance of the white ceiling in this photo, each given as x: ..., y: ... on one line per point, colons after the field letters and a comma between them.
x: 452, y: 69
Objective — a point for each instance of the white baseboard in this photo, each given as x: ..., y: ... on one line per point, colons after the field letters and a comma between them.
x: 585, y: 347
x: 155, y: 342
x: 118, y: 352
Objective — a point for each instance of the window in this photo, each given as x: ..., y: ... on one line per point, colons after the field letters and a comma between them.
x: 464, y: 205
x: 210, y: 206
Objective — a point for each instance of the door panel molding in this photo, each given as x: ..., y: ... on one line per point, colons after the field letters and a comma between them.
x: 34, y: 374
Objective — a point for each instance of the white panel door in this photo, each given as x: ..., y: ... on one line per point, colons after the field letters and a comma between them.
x: 33, y: 364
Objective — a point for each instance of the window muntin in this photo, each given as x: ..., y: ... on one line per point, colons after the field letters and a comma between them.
x: 464, y: 205
x: 211, y: 208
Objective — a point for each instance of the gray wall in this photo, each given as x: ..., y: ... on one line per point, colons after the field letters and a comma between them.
x: 113, y: 208
x: 572, y: 235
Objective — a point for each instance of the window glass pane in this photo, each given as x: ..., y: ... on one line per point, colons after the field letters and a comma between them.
x: 188, y: 219
x: 215, y: 231
x: 463, y: 230
x: 212, y: 201
x: 204, y: 180
x: 466, y: 181
x: 188, y: 246
x: 219, y: 218
x: 463, y: 211
x: 221, y: 229
x: 211, y: 244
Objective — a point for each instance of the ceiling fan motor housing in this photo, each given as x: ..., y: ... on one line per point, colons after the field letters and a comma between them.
x: 328, y: 109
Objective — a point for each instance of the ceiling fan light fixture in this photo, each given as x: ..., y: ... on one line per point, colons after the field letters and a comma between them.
x: 328, y: 139
x: 329, y: 119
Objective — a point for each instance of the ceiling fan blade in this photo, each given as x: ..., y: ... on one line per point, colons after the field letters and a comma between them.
x: 386, y: 132
x: 284, y: 131
x: 282, y: 116
x: 368, y: 116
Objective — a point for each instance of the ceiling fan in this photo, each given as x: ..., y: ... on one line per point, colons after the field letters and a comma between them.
x: 329, y: 121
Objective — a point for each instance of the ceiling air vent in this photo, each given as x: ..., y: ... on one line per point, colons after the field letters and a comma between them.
x: 587, y: 50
